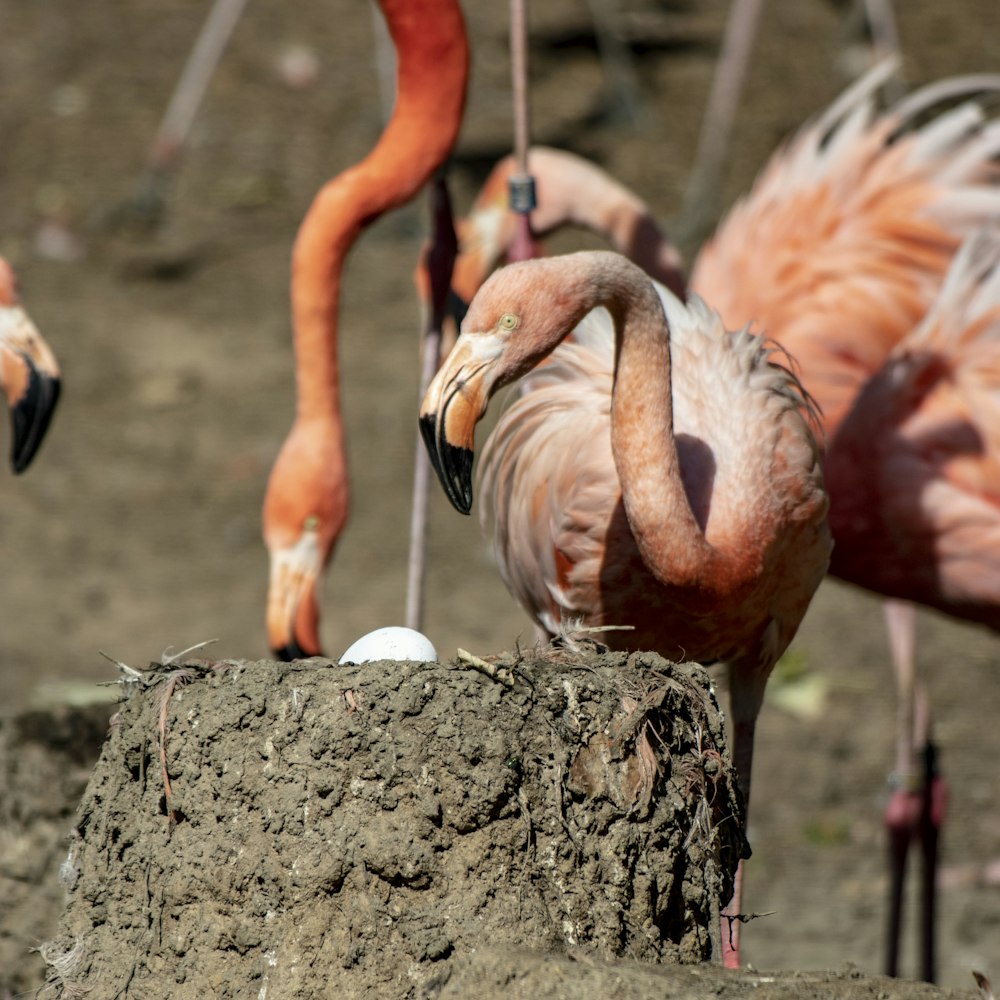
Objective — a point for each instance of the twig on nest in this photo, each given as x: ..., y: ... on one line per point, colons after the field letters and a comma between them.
x: 167, y: 659
x: 743, y: 918
x: 153, y: 674
x: 129, y: 674
x: 502, y: 675
x: 575, y: 637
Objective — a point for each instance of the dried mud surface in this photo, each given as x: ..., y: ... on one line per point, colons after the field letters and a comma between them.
x: 46, y: 759
x: 350, y: 831
x: 138, y: 526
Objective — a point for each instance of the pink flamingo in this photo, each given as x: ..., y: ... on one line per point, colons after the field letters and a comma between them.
x: 853, y: 226
x: 29, y: 373
x: 685, y: 501
x: 305, y: 507
x: 571, y: 191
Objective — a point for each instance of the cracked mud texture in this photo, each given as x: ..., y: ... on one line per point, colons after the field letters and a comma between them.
x: 310, y: 848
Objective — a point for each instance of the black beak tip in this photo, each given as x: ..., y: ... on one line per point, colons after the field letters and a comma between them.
x: 30, y: 417
x: 453, y: 465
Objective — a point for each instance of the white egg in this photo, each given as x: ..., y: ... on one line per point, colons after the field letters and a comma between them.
x: 391, y: 643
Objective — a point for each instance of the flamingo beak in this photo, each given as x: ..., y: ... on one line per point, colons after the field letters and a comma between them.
x: 293, y: 600
x: 29, y: 378
x: 455, y: 401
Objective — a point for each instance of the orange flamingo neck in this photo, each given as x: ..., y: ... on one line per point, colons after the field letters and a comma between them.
x: 430, y: 39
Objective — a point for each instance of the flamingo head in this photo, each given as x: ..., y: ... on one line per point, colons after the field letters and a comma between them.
x: 305, y: 509
x: 515, y: 320
x: 29, y: 373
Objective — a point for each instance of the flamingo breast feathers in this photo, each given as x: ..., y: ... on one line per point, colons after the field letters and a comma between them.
x: 547, y: 480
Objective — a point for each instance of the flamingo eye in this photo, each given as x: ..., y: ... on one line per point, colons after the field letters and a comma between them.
x: 508, y: 321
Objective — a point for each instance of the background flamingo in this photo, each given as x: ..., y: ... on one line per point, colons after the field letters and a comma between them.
x: 307, y: 495
x: 571, y: 191
x: 916, y: 463
x: 856, y: 224
x: 675, y: 488
x: 29, y: 374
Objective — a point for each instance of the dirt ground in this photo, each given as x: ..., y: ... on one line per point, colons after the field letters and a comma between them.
x: 138, y: 526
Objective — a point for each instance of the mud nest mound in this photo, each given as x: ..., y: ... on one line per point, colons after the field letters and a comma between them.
x: 304, y: 830
x: 46, y: 757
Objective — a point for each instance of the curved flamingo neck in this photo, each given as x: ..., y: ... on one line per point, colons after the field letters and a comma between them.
x: 667, y: 533
x: 430, y: 40
x: 663, y: 524
x: 588, y: 197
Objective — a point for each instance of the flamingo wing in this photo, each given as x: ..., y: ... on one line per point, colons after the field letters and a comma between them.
x: 915, y: 468
x: 843, y: 242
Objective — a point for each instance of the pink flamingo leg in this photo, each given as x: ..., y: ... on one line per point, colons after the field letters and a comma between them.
x: 731, y: 923
x: 440, y: 261
x: 933, y: 804
x: 901, y: 814
x: 747, y: 694
x: 903, y: 807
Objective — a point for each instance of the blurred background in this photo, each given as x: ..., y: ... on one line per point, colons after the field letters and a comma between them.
x: 138, y: 526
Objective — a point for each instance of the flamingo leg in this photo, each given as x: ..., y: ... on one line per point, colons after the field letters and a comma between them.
x: 746, y: 696
x: 916, y: 807
x: 934, y: 801
x: 899, y: 817
x: 148, y: 203
x: 884, y: 34
x: 521, y: 185
x: 902, y: 809
x: 440, y: 261
x: 720, y: 112
x: 731, y: 923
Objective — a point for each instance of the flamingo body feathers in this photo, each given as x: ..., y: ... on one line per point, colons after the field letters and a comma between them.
x: 853, y: 225
x: 917, y: 461
x: 563, y: 541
